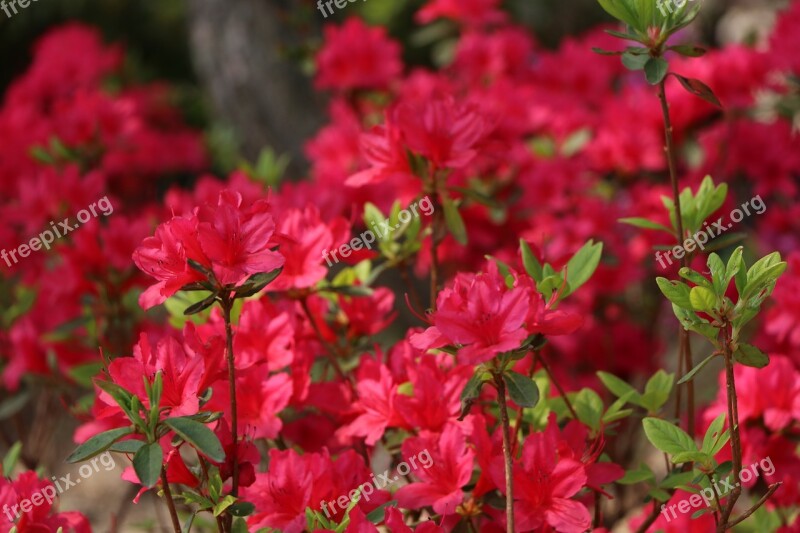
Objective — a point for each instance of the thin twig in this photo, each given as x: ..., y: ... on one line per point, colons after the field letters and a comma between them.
x: 762, y: 501
x: 558, y: 386
x: 733, y: 424
x: 173, y: 514
x: 716, y: 499
x: 330, y: 350
x: 509, y: 472
x: 227, y: 305
x: 685, y: 355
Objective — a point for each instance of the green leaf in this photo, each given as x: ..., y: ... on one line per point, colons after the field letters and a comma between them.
x: 749, y: 355
x: 690, y: 457
x: 98, y: 444
x: 659, y: 494
x: 645, y: 224
x: 199, y: 436
x: 655, y: 69
x: 713, y: 435
x: 634, y: 61
x: 202, y: 305
x: 522, y: 389
x: 762, y: 274
x: 657, y: 391
x: 529, y: 261
x: 695, y: 277
x: 377, y: 515
x: 718, y: 274
x: 241, y: 509
x: 667, y: 437
x: 619, y: 11
x: 11, y: 458
x: 697, y: 368
x: 575, y: 142
x: 453, y: 220
x: 676, y: 480
x: 223, y: 504
x: 618, y: 387
x: 589, y: 407
x: 641, y: 474
x: 582, y: 265
x: 351, y: 290
x: 13, y: 405
x: 687, y: 50
x: 676, y: 292
x: 257, y: 282
x: 734, y: 265
x: 471, y: 392
x: 699, y: 89
x: 702, y: 299
x: 147, y: 464
x: 126, y: 446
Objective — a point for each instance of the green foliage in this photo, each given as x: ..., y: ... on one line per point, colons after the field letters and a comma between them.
x: 578, y: 270
x: 667, y: 437
x: 521, y: 389
x: 199, y: 436
x: 656, y: 392
x: 695, y: 208
x: 147, y: 464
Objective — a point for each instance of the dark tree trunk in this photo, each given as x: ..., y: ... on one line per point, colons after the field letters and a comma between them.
x: 240, y: 50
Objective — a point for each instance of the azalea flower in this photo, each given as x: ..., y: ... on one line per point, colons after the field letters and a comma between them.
x: 440, y: 485
x: 546, y: 479
x: 478, y: 313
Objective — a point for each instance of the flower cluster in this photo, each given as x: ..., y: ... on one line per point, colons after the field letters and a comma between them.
x: 248, y: 381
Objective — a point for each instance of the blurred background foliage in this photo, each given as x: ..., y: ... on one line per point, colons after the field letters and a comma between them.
x: 156, y: 36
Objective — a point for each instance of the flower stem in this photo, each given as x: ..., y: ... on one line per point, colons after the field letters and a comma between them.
x: 501, y: 395
x: 685, y: 354
x: 173, y: 514
x: 558, y: 386
x: 733, y: 424
x: 227, y: 305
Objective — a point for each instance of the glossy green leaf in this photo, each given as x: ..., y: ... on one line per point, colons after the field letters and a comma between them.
x: 98, y: 444
x: 522, y: 389
x: 749, y: 355
x: 147, y: 464
x: 655, y: 69
x: 667, y: 437
x: 199, y: 436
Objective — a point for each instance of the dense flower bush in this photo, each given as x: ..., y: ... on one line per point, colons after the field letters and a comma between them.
x: 513, y: 334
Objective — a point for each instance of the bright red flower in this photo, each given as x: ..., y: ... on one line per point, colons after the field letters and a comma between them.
x: 468, y: 12
x: 375, y: 408
x: 165, y: 256
x: 479, y: 313
x: 356, y: 56
x: 383, y: 150
x: 40, y: 518
x: 292, y: 483
x: 236, y: 239
x: 451, y: 468
x: 771, y: 394
x: 304, y: 240
x: 545, y: 480
x: 445, y: 132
